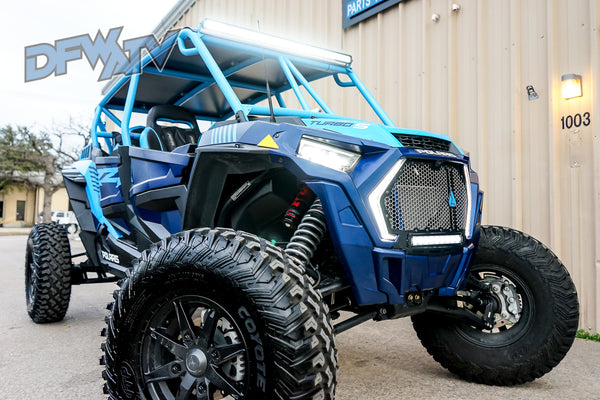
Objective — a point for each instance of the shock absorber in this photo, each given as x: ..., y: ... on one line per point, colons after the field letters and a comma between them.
x: 308, y: 235
x: 297, y: 209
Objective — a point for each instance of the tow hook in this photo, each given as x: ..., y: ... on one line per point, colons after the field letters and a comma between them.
x: 414, y: 298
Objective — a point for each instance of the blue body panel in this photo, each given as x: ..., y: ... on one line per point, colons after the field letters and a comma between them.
x: 87, y: 169
x: 368, y: 130
x: 151, y: 169
x: 154, y: 169
x: 110, y: 185
x: 377, y: 272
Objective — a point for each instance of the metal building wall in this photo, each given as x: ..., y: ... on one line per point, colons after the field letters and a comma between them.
x: 466, y: 75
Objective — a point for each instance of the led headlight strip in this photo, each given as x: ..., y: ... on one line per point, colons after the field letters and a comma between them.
x: 469, y: 203
x: 375, y: 201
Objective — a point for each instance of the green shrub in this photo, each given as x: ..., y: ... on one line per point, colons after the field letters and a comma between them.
x: 583, y: 334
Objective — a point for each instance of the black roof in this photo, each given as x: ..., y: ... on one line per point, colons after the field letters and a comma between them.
x: 186, y: 77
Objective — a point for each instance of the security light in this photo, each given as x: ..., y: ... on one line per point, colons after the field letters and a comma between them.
x: 571, y: 86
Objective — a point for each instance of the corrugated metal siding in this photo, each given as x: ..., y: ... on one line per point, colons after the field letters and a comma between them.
x: 466, y: 75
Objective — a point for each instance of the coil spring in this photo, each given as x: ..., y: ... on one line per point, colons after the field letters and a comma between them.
x: 308, y: 235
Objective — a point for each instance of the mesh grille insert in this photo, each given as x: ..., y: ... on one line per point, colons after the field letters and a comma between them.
x: 423, y: 142
x: 426, y: 197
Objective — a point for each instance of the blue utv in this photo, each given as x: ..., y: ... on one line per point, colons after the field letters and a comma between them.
x: 247, y: 224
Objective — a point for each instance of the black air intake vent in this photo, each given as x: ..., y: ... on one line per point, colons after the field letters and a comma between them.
x: 422, y: 142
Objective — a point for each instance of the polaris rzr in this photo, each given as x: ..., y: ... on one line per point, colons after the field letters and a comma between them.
x: 247, y: 224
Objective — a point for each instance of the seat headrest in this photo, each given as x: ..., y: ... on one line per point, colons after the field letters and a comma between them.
x: 171, y: 113
x: 169, y: 133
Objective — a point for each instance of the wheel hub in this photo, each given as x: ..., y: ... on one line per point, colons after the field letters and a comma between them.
x: 196, y: 362
x: 508, y: 298
x: 196, y: 348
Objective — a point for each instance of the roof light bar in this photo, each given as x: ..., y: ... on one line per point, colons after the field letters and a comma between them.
x: 230, y: 32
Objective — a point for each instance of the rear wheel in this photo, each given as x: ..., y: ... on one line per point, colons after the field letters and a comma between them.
x: 47, y: 273
x: 213, y: 314
x: 536, y: 314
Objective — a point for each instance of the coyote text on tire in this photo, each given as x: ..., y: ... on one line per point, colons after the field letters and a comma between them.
x: 244, y: 216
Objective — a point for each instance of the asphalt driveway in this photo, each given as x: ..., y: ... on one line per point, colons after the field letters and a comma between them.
x: 377, y: 360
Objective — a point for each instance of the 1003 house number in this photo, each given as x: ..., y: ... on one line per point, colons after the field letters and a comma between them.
x: 577, y: 120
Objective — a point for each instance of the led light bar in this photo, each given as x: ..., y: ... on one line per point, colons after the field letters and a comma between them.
x: 435, y: 240
x: 246, y: 36
x: 375, y: 201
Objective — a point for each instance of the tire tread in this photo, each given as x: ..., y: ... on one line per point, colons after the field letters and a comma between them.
x: 51, y: 254
x: 292, y: 310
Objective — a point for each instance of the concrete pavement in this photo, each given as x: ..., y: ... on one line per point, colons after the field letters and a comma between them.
x: 377, y: 360
x: 14, y: 231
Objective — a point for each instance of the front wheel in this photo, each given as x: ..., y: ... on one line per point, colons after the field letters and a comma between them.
x: 536, y: 314
x: 214, y: 314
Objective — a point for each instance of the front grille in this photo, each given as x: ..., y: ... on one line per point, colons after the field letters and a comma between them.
x: 427, y: 196
x: 422, y: 142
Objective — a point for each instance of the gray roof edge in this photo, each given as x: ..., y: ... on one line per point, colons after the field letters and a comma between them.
x: 174, y: 15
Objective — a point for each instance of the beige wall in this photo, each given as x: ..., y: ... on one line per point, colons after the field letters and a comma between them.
x: 33, y: 205
x: 60, y: 200
x: 9, y: 207
x: 465, y: 76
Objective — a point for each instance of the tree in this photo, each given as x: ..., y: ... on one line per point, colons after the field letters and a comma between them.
x: 17, y: 159
x: 38, y: 158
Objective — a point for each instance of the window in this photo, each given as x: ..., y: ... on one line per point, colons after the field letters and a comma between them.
x: 1, y: 209
x: 20, y: 210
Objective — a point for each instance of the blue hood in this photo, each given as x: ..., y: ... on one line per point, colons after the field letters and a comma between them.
x: 368, y: 130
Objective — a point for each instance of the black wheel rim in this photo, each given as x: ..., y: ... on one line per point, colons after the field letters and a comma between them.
x: 30, y: 275
x: 193, y: 349
x: 503, y: 334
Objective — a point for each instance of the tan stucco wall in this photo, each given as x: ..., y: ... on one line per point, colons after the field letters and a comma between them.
x: 33, y: 205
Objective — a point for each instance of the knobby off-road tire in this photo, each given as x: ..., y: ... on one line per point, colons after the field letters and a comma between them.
x: 47, y: 273
x: 212, y: 311
x: 511, y: 353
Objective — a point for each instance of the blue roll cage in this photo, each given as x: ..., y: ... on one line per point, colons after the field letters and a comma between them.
x: 219, y: 77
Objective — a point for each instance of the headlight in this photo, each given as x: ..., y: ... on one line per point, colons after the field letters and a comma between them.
x: 327, y: 155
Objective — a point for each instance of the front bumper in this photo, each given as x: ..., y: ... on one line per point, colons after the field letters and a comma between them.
x: 385, y: 263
